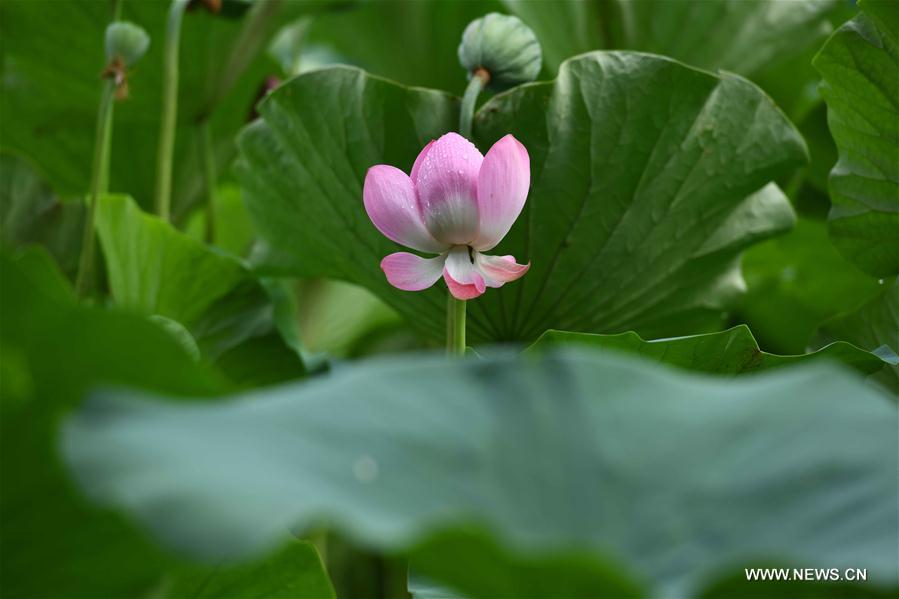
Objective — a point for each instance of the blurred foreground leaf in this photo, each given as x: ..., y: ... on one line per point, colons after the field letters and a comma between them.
x: 72, y: 347
x: 54, y: 543
x: 644, y: 237
x: 860, y: 66
x: 570, y: 465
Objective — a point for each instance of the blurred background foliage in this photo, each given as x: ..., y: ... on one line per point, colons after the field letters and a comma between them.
x: 202, y: 307
x: 414, y: 43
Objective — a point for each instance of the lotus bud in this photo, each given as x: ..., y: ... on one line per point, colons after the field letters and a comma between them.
x: 126, y: 42
x: 502, y: 46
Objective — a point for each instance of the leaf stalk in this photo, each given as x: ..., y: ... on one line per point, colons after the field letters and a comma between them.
x: 169, y: 109
x: 455, y: 308
x: 455, y: 326
x: 479, y: 79
x: 99, y: 185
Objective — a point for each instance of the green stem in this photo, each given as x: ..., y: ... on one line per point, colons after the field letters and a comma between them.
x: 106, y: 143
x: 169, y: 110
x: 455, y: 326
x: 99, y: 181
x: 455, y: 309
x: 479, y: 79
x: 209, y: 177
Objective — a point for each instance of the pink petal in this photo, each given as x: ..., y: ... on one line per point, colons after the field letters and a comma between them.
x: 410, y: 272
x: 392, y: 206
x: 421, y: 156
x: 503, y: 183
x: 446, y: 179
x: 460, y: 291
x: 498, y: 270
x: 461, y: 268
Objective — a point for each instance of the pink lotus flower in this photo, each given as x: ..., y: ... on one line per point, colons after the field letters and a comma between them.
x: 456, y: 203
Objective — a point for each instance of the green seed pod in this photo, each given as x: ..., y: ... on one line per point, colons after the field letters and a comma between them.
x: 503, y: 46
x: 126, y: 41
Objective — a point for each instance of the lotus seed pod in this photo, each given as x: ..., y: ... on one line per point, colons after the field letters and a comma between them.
x: 126, y: 41
x: 503, y: 46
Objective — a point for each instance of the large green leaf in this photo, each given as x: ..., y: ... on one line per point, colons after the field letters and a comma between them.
x: 860, y: 66
x: 232, y: 229
x: 302, y: 177
x: 769, y: 41
x: 796, y: 282
x: 733, y: 351
x: 874, y: 324
x: 647, y: 233
x: 636, y: 215
x: 558, y: 462
x: 875, y: 327
x: 51, y: 89
x: 154, y: 269
x: 735, y: 35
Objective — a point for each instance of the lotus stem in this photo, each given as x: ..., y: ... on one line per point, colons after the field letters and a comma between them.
x: 99, y: 185
x: 455, y: 326
x: 455, y: 308
x: 169, y: 110
x: 479, y: 80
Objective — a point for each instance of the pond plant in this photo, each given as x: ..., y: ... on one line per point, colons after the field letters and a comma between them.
x: 658, y: 239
